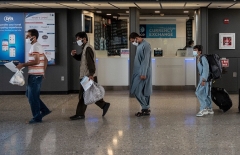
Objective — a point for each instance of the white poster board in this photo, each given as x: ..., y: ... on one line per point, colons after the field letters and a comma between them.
x: 226, y: 40
x: 45, y: 24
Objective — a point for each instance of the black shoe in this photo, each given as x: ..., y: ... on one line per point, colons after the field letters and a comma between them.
x: 105, y: 108
x: 45, y: 114
x: 32, y: 121
x: 76, y: 117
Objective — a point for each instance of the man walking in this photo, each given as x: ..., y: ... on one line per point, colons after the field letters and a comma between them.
x: 87, y: 68
x: 142, y: 73
x: 37, y: 65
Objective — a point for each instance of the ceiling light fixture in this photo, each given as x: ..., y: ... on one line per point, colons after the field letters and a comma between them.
x: 161, y: 14
x: 127, y: 11
x: 157, y: 11
x: 114, y: 16
x: 185, y: 11
x: 109, y: 14
x: 99, y: 11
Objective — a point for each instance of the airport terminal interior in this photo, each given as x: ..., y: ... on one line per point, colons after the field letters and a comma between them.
x: 172, y: 128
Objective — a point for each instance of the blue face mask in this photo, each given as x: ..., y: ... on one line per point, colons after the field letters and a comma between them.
x: 195, y: 53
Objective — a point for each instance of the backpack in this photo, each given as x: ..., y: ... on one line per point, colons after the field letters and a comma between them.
x: 215, y: 66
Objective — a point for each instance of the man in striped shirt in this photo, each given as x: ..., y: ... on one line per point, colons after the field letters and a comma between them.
x: 37, y: 65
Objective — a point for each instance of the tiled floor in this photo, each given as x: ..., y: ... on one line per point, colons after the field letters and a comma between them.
x: 172, y: 128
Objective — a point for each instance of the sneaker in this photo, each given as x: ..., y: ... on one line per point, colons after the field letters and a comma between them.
x: 210, y: 111
x: 202, y: 113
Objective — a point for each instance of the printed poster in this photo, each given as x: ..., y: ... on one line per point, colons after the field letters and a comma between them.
x: 45, y: 24
x: 12, y: 38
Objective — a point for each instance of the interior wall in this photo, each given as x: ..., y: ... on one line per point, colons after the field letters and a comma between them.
x: 54, y: 73
x: 216, y: 26
x: 67, y: 24
x: 169, y: 45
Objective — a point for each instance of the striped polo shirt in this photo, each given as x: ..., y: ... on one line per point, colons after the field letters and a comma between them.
x: 36, y: 48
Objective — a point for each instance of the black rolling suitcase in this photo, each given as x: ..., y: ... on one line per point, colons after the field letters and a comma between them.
x: 221, y: 98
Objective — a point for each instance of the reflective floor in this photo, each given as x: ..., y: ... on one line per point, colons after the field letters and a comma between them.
x: 172, y: 128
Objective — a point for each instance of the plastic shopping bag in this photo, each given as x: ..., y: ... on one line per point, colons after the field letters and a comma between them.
x: 18, y: 78
x: 93, y: 94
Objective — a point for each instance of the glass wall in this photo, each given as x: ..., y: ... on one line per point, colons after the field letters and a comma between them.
x: 110, y: 35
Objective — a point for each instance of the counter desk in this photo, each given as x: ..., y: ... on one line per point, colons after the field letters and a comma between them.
x: 166, y: 71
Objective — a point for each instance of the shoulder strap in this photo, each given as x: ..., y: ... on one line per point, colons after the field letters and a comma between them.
x: 200, y: 59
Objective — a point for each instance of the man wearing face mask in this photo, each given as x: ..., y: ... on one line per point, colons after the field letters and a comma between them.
x: 87, y: 68
x: 142, y: 73
x: 37, y: 65
x: 203, y: 91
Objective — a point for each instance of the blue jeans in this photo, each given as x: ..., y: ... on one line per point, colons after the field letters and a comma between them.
x: 33, y: 94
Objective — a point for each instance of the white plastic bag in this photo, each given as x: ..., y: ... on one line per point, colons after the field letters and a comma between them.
x: 93, y: 94
x: 18, y: 78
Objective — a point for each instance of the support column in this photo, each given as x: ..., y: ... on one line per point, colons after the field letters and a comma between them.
x: 133, y: 27
x: 202, y: 28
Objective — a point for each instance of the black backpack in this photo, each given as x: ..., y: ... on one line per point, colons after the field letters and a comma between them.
x: 215, y: 66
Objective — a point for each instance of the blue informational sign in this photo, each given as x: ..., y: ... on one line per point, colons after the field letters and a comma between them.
x: 12, y: 38
x: 158, y: 31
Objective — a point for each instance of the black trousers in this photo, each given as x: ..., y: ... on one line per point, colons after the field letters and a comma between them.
x: 81, y: 107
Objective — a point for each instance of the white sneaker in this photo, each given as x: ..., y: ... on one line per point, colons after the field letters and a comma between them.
x: 210, y: 111
x: 202, y: 113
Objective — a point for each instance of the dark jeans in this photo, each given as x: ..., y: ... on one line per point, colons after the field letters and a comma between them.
x: 81, y: 107
x: 33, y: 94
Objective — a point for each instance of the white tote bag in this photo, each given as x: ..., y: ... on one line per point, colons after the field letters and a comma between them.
x: 93, y: 94
x: 18, y: 78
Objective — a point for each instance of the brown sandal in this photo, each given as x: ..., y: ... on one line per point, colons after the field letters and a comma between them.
x: 144, y: 112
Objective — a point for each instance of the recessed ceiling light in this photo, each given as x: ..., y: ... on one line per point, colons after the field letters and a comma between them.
x: 127, y: 11
x: 99, y: 11
x: 185, y: 11
x: 109, y: 14
x: 157, y: 11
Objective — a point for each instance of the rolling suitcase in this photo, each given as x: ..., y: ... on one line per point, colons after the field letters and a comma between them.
x: 221, y: 98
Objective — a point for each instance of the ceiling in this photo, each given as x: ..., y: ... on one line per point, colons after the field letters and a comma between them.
x: 120, y: 8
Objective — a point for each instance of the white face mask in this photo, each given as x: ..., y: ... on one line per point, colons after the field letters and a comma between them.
x: 79, y: 42
x: 195, y: 53
x: 28, y: 40
x: 135, y: 43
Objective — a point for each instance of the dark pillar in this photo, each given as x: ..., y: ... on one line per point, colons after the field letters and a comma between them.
x: 133, y: 27
x: 202, y: 35
x: 74, y: 25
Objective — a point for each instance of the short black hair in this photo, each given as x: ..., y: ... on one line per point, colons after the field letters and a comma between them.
x: 34, y: 32
x: 190, y: 42
x: 133, y: 35
x: 199, y: 47
x: 82, y: 35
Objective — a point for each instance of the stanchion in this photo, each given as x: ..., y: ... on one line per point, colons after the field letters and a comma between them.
x: 239, y: 100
